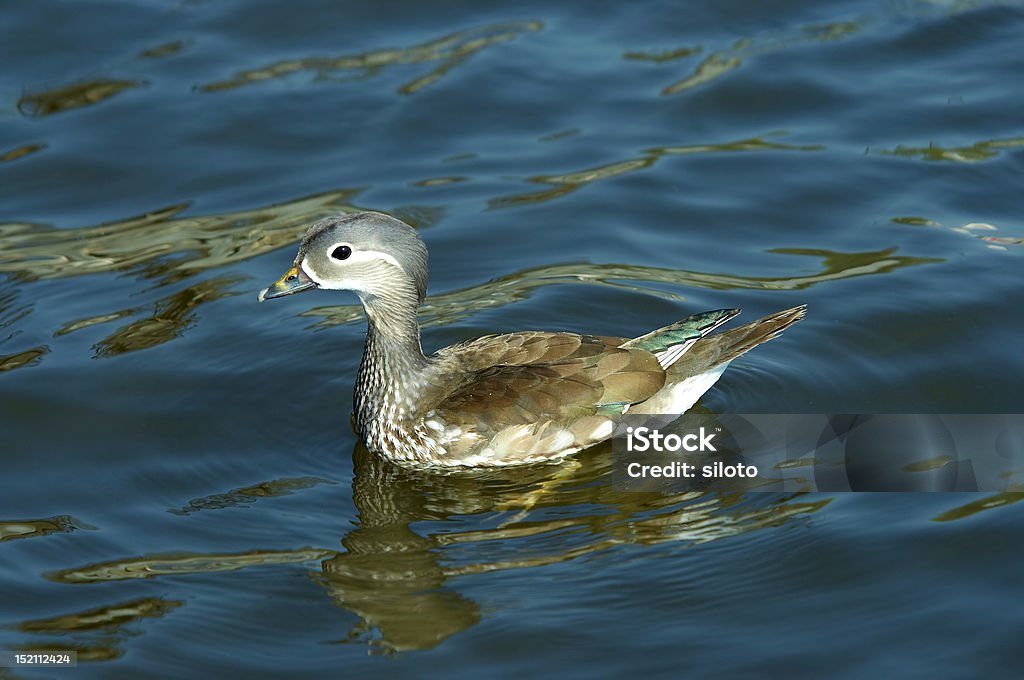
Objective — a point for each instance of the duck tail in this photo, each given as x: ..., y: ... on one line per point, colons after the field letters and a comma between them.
x: 741, y: 340
x: 719, y: 349
x: 671, y: 342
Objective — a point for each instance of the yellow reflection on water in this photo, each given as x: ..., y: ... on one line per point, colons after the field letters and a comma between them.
x: 249, y: 494
x: 95, y: 634
x: 11, y: 529
x: 439, y: 181
x: 21, y: 152
x: 974, y: 507
x: 979, y: 151
x: 160, y: 245
x: 48, y: 102
x: 172, y: 316
x: 928, y: 464
x: 28, y: 357
x: 979, y: 230
x: 566, y: 183
x: 663, y: 56
x: 164, y: 50
x: 450, y: 50
x: 182, y: 563
x: 110, y: 616
x: 32, y: 251
x: 721, y: 62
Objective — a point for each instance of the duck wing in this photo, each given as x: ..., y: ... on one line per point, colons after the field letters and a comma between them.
x: 548, y: 394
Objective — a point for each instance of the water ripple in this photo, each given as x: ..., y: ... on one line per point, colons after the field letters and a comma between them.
x: 163, y: 565
x: 34, y: 251
x: 972, y: 508
x: 27, y: 528
x: 446, y: 308
x: 21, y: 152
x: 48, y: 102
x: 979, y: 230
x: 28, y: 357
x: 451, y: 50
x: 419, y: 531
x: 172, y: 316
x: 95, y: 634
x: 566, y: 183
x: 975, y: 153
x: 721, y: 62
x: 250, y: 494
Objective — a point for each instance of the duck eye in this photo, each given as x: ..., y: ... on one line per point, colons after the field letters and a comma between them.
x: 341, y: 253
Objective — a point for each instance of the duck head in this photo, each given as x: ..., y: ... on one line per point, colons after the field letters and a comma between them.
x: 370, y: 253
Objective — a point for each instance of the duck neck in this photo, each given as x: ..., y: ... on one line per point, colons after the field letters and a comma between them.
x: 390, y: 375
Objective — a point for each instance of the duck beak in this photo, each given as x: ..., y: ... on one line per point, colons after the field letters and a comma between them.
x: 293, y: 281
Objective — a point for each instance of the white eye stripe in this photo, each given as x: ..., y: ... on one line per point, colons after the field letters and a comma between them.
x: 357, y: 256
x: 363, y: 255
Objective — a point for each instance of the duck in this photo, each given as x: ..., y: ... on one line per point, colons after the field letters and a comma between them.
x: 505, y: 399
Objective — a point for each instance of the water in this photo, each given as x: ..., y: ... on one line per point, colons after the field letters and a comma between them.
x: 181, y: 492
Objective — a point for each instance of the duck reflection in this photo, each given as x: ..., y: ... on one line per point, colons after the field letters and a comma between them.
x: 400, y: 565
x: 418, y: 532
x: 390, y: 575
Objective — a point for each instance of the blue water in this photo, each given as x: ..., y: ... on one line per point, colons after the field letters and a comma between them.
x: 181, y: 493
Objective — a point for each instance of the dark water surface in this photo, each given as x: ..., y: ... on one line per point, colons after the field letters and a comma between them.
x: 181, y: 494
